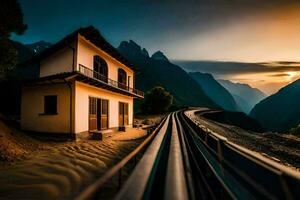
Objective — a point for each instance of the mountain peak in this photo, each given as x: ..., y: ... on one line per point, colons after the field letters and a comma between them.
x: 130, y: 45
x: 159, y: 56
x: 145, y: 52
x: 132, y: 49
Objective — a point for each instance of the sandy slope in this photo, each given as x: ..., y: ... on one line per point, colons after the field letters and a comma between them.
x: 15, y: 145
x: 52, y: 170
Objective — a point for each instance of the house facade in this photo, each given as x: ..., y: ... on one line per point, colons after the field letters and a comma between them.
x: 84, y: 86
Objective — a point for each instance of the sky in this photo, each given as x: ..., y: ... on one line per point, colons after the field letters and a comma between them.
x: 225, y: 30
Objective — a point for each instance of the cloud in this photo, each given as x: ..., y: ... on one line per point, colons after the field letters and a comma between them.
x: 223, y: 68
x: 279, y: 75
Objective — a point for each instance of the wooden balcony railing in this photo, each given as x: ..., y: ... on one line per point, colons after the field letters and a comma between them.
x: 96, y: 75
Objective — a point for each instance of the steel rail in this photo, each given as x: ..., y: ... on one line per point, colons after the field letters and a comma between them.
x: 161, y: 173
x: 91, y: 190
x: 187, y: 161
x: 175, y: 185
x: 200, y: 187
x: 216, y: 181
x: 141, y: 182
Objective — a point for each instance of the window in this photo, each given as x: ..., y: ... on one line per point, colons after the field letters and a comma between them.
x: 50, y: 104
x: 100, y: 68
x: 93, y: 106
x: 104, y: 110
x: 122, y: 79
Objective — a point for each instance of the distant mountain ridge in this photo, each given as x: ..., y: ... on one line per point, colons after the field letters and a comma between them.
x: 215, y: 91
x: 280, y: 111
x: 158, y: 71
x: 245, y: 96
x: 38, y: 47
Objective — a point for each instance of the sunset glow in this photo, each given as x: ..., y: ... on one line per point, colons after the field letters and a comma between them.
x: 269, y: 83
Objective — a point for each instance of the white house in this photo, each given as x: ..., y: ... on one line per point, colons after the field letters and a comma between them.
x: 84, y: 86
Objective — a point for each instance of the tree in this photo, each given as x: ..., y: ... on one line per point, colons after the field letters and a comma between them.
x: 157, y: 101
x: 11, y: 21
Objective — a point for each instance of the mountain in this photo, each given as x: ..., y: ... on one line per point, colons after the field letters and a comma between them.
x: 280, y: 111
x: 38, y: 47
x: 215, y: 90
x: 158, y: 71
x: 245, y: 96
x: 159, y: 56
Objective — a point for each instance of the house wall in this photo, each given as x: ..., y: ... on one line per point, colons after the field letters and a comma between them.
x: 32, y: 109
x: 59, y: 62
x: 82, y: 94
x: 85, y: 56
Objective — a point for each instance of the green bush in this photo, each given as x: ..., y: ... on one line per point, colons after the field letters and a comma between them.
x: 157, y: 101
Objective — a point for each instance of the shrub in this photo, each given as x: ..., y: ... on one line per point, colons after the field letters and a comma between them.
x: 157, y: 101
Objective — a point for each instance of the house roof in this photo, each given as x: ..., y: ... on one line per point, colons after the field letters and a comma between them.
x: 91, y: 34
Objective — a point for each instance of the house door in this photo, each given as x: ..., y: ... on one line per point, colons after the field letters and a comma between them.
x: 104, y: 114
x: 123, y: 114
x: 98, y: 114
x: 93, y: 114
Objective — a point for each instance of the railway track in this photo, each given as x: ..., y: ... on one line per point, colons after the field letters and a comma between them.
x: 183, y: 160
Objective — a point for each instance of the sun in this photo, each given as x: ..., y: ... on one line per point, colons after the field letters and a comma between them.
x: 292, y: 74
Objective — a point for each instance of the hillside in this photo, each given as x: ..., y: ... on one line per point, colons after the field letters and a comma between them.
x: 215, y: 90
x: 281, y: 110
x: 158, y: 71
x: 245, y: 96
x: 38, y: 47
x: 238, y: 119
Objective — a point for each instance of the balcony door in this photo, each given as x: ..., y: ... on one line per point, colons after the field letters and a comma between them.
x: 122, y: 79
x: 100, y: 69
x: 98, y: 114
x: 104, y: 114
x: 123, y: 114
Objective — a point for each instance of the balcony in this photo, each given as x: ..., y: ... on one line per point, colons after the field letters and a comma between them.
x: 111, y: 84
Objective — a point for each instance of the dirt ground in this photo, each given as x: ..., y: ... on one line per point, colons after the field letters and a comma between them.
x: 147, y: 120
x: 36, y: 169
x: 282, y: 148
x: 15, y: 145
